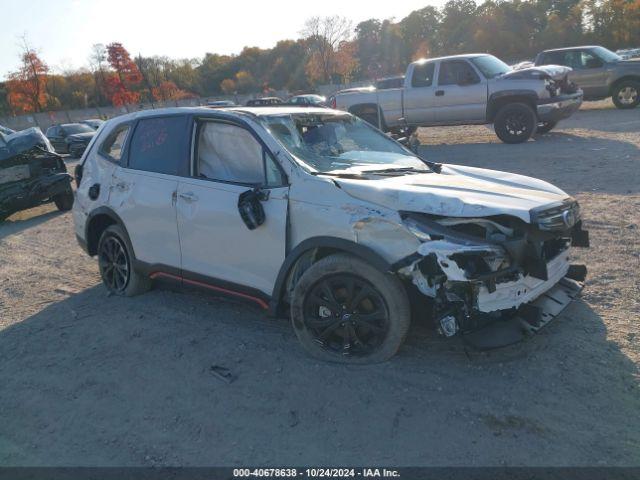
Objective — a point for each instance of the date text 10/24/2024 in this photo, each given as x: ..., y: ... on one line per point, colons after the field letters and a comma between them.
x: 315, y: 473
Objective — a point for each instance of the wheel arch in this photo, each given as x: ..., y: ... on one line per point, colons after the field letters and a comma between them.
x: 97, y: 222
x: 319, y: 247
x: 618, y: 81
x: 500, y: 99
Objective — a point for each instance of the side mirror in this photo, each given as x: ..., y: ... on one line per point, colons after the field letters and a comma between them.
x: 250, y: 208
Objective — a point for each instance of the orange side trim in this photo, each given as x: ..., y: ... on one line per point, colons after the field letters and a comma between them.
x: 259, y: 301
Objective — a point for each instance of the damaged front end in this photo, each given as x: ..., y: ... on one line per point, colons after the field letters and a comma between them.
x: 478, y: 271
x: 31, y: 173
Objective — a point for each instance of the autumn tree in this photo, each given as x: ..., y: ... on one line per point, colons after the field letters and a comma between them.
x: 325, y: 35
x: 26, y: 88
x: 228, y: 86
x: 125, y: 76
x: 168, y: 90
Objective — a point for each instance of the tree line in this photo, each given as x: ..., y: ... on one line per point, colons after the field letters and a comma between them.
x: 330, y: 50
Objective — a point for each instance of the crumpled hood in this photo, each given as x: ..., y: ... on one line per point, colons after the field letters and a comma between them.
x: 457, y: 191
x: 555, y: 72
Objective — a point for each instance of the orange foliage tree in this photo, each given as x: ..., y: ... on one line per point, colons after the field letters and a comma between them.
x: 168, y: 90
x: 26, y: 88
x: 126, y: 75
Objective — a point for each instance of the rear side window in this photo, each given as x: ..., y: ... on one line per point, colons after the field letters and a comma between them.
x: 423, y: 75
x: 160, y: 145
x: 113, y: 145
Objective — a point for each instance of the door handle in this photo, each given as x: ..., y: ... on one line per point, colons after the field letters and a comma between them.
x: 439, y: 93
x: 189, y: 197
x: 122, y: 186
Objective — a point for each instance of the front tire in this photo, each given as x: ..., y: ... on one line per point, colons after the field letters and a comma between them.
x: 626, y: 94
x: 344, y: 310
x: 115, y: 261
x: 515, y: 123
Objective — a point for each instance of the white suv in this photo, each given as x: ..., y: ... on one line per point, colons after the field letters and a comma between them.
x: 314, y: 213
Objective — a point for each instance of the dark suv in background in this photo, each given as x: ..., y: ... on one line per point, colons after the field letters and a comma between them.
x: 71, y: 138
x: 599, y: 72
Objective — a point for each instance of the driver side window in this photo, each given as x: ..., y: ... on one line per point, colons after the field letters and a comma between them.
x: 589, y: 60
x: 457, y: 72
x: 229, y: 153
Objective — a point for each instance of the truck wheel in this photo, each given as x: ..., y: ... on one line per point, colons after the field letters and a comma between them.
x: 626, y: 94
x: 545, y: 127
x: 64, y: 201
x: 115, y: 261
x: 515, y: 123
x: 344, y: 310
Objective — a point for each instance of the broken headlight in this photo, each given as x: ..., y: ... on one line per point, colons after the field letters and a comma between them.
x: 558, y: 217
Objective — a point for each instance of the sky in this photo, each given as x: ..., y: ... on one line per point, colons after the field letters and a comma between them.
x: 63, y: 31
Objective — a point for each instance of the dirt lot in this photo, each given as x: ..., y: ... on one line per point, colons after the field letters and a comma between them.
x: 88, y: 379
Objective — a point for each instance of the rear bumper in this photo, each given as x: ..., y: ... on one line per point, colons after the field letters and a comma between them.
x: 558, y: 108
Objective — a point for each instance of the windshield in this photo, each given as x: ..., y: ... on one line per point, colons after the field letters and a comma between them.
x: 333, y: 143
x: 490, y: 66
x: 606, y: 54
x: 72, y: 129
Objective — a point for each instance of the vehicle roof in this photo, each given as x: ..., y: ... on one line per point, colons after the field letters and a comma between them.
x: 579, y: 47
x: 306, y: 95
x: 462, y: 56
x: 236, y: 111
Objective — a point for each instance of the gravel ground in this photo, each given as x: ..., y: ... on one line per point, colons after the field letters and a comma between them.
x: 88, y: 379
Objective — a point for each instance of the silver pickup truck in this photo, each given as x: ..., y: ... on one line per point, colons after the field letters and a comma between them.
x: 465, y: 90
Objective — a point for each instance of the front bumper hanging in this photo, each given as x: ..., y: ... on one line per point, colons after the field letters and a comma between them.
x: 529, y: 318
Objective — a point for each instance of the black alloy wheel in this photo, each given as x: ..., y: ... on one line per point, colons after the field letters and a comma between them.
x: 113, y: 261
x: 346, y: 315
x: 515, y: 123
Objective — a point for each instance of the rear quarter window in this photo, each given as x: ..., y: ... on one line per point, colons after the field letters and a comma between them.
x: 161, y: 145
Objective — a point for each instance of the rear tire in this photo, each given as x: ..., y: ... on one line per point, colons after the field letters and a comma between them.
x: 115, y: 261
x: 515, y: 123
x: 626, y: 94
x: 344, y: 310
x: 64, y: 201
x: 545, y: 127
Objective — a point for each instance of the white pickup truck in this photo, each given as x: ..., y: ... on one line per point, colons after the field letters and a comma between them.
x: 465, y: 90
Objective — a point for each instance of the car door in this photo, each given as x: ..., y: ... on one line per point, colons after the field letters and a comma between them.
x: 419, y: 98
x: 590, y: 74
x: 143, y: 191
x: 229, y: 160
x: 461, y: 93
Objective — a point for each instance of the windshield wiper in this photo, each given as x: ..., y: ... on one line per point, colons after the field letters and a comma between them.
x: 396, y: 170
x: 338, y: 174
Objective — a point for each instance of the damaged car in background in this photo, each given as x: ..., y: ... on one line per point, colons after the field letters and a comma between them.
x: 315, y: 214
x: 31, y: 173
